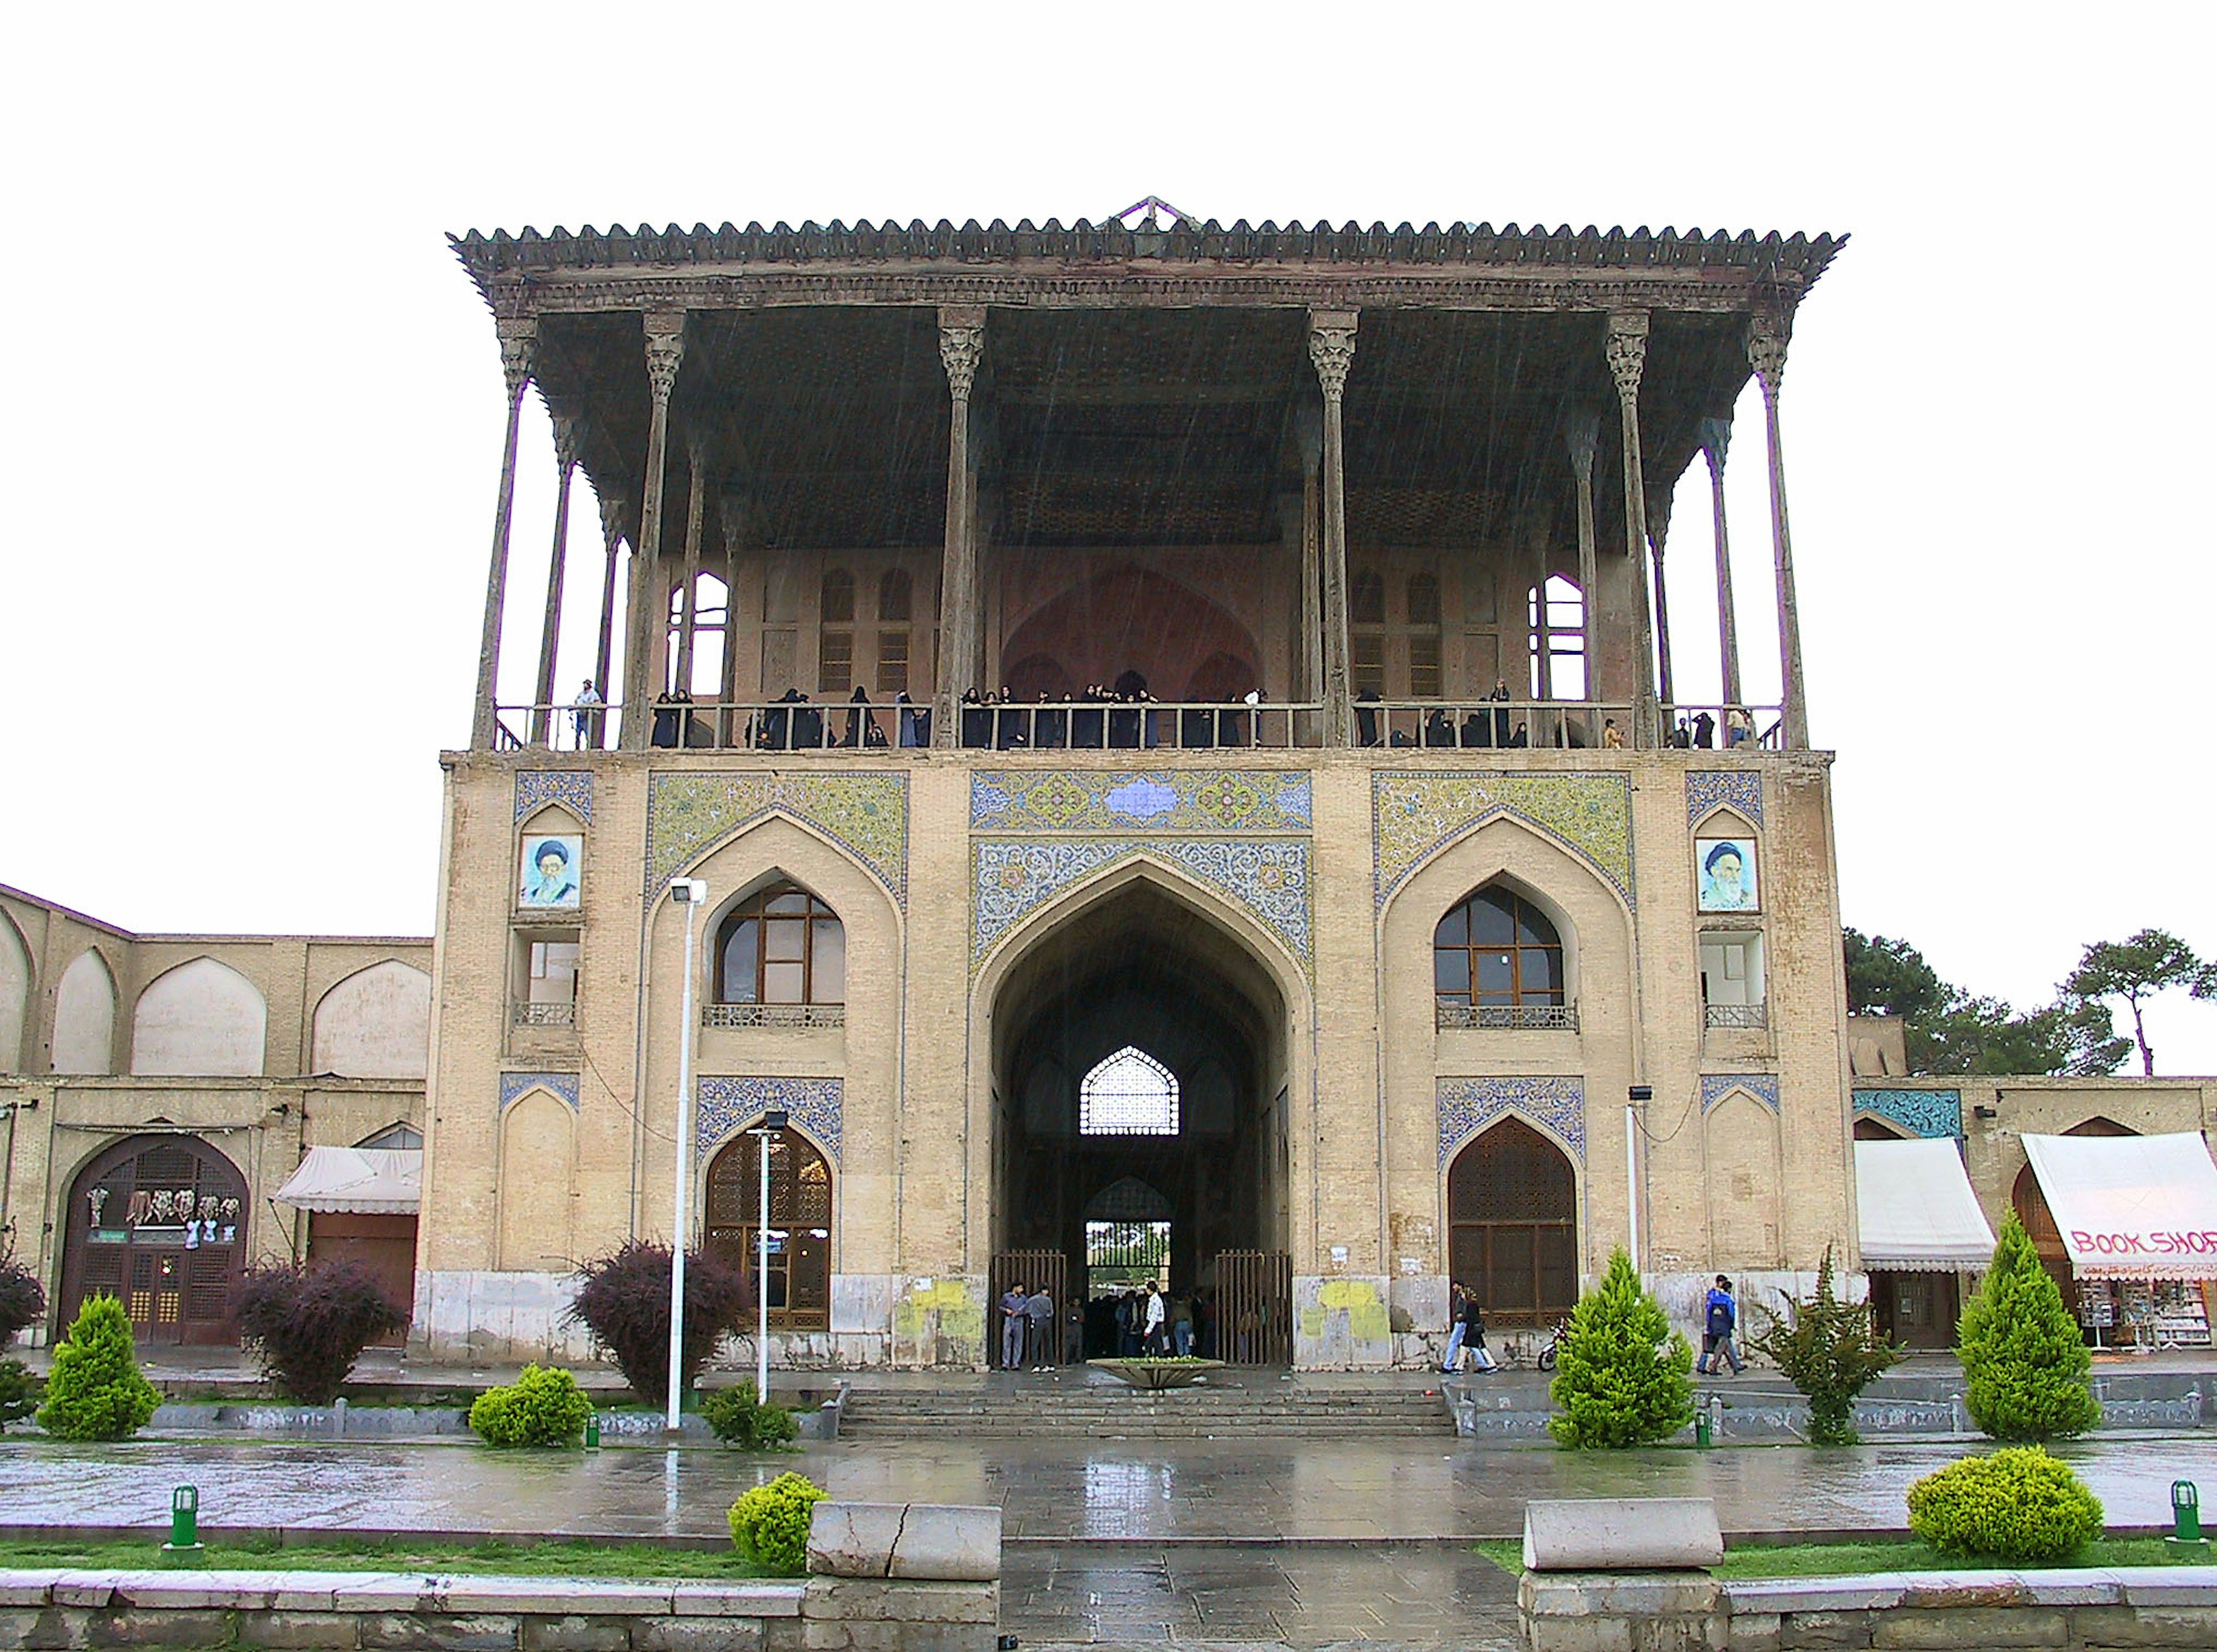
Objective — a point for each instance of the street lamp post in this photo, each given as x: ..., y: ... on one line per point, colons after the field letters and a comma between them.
x: 774, y: 1121
x: 691, y: 893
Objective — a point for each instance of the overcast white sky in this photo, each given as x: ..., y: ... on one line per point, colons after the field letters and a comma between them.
x: 252, y: 409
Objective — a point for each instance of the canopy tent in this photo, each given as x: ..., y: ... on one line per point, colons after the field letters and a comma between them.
x: 373, y: 1181
x: 2130, y: 1207
x: 1916, y: 1210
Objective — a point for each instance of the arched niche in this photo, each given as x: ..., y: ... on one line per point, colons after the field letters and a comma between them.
x: 201, y: 1018
x: 376, y: 1023
x: 1130, y: 619
x: 16, y: 979
x: 1512, y: 1224
x: 1507, y: 948
x: 160, y: 1223
x: 84, y: 1017
x: 1745, y: 1220
x: 1869, y: 1127
x: 538, y: 1168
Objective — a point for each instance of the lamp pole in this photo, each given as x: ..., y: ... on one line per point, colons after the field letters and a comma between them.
x: 773, y: 1122
x: 691, y: 893
x: 1635, y: 1098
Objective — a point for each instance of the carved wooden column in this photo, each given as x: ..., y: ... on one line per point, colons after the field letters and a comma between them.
x: 1766, y: 353
x: 1716, y: 441
x: 1580, y: 431
x: 1625, y: 346
x: 612, y: 512
x: 961, y: 343
x: 1332, y: 348
x: 665, y: 353
x: 696, y: 502
x: 1309, y: 434
x: 517, y: 339
x: 550, y: 631
x: 1658, y: 530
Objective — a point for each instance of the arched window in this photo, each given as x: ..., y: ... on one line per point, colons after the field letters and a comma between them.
x: 1367, y: 602
x: 1128, y: 1093
x: 1497, y: 961
x: 782, y: 946
x: 835, y: 614
x: 799, y: 1225
x: 894, y: 596
x: 1512, y: 1228
x: 1423, y: 595
x: 893, y: 602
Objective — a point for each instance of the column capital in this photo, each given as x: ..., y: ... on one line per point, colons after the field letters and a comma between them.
x: 1332, y: 348
x: 961, y: 346
x: 1767, y: 336
x: 566, y: 432
x: 1581, y: 430
x: 1625, y: 346
x: 732, y: 508
x: 665, y: 352
x: 1659, y: 519
x: 612, y: 505
x: 1714, y: 436
x: 519, y: 340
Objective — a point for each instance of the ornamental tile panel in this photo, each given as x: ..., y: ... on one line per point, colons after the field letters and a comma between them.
x: 1736, y: 789
x: 1934, y: 1114
x: 725, y: 1106
x: 1414, y: 814
x: 1169, y: 800
x: 1468, y: 1105
x: 513, y: 1085
x: 866, y: 813
x: 1012, y: 878
x: 1715, y: 1087
x: 571, y: 787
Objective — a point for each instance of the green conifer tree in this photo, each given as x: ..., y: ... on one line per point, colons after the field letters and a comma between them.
x: 95, y: 1390
x: 1829, y: 1349
x: 1622, y: 1375
x: 2026, y: 1367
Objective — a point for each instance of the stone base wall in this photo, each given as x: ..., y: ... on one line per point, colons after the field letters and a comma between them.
x: 1934, y: 1612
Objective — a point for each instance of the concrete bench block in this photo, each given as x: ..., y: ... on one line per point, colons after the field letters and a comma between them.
x: 853, y: 1539
x: 1604, y: 1534
x: 949, y: 1543
x: 737, y: 1600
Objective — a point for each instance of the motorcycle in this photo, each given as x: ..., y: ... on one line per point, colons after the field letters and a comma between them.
x: 1555, y: 1341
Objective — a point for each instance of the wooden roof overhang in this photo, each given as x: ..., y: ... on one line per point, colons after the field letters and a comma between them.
x: 1138, y: 387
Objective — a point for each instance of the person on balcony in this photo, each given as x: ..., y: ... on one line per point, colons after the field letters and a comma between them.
x: 584, y: 714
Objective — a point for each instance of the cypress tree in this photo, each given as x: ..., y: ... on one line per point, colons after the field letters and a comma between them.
x: 1622, y: 1376
x: 95, y: 1390
x: 2026, y: 1368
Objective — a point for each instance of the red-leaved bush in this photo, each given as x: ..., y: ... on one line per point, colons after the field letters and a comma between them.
x: 308, y: 1324
x: 22, y: 1298
x: 623, y: 1299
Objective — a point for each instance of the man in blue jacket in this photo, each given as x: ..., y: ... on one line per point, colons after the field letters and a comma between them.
x: 1721, y: 1319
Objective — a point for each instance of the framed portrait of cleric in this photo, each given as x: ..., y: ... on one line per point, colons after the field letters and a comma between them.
x: 1723, y: 875
x: 551, y: 874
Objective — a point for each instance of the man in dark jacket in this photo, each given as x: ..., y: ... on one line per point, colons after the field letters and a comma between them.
x: 1721, y: 1318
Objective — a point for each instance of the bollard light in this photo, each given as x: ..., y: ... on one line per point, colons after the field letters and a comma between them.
x: 2185, y: 1515
x: 184, y: 1547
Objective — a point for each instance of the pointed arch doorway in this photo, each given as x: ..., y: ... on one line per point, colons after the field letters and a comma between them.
x: 1140, y: 1108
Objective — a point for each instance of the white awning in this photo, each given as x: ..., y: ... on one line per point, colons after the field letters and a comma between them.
x: 2130, y: 1207
x: 1917, y: 1209
x: 372, y: 1181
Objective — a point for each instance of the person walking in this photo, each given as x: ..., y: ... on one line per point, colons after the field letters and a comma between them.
x: 1452, y: 1361
x: 1721, y: 1318
x: 1151, y: 1338
x: 1473, y: 1335
x: 1013, y: 1325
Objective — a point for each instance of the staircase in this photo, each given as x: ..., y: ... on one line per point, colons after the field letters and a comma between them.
x: 1268, y: 1408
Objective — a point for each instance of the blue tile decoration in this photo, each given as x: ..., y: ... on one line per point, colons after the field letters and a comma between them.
x: 1930, y: 1113
x: 865, y: 813
x: 1737, y: 789
x: 1414, y: 814
x: 1213, y: 801
x: 1014, y: 877
x: 513, y: 1085
x: 1715, y: 1087
x: 571, y: 787
x: 1556, y: 1105
x: 727, y: 1105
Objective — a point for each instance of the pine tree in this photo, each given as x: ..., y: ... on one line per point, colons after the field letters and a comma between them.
x: 2026, y: 1367
x: 1622, y: 1375
x: 1832, y: 1350
x: 95, y: 1390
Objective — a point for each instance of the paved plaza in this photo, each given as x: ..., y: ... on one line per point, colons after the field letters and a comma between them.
x: 1310, y: 1543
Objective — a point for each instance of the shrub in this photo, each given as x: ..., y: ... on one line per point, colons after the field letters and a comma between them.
x: 22, y: 1298
x: 95, y: 1390
x: 543, y: 1406
x: 1622, y: 1374
x: 623, y: 1299
x: 308, y: 1324
x: 770, y: 1524
x: 1832, y: 1350
x: 2026, y: 1367
x: 738, y: 1420
x: 19, y: 1391
x: 2019, y: 1504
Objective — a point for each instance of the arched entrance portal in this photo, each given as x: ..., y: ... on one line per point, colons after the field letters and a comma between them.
x: 159, y: 1223
x: 799, y: 1224
x: 1140, y: 1108
x: 1512, y: 1225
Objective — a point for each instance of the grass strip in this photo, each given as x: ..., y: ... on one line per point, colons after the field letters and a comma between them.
x: 549, y: 1559
x: 1900, y: 1554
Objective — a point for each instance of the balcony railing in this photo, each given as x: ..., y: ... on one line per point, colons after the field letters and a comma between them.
x: 1544, y: 1018
x: 1736, y: 1016
x: 558, y: 1015
x: 773, y: 1015
x: 837, y: 726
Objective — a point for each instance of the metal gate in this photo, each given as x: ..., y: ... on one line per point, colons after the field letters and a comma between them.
x: 1047, y: 1270
x: 1255, y: 1307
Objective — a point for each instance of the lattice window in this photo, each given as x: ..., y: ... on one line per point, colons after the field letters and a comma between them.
x: 1512, y: 1224
x: 1128, y: 1093
x: 798, y: 1260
